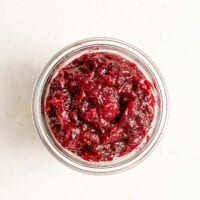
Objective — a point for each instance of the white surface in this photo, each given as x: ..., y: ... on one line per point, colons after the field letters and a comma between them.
x: 31, y: 31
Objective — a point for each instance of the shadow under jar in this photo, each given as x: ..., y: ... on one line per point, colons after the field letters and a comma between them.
x: 100, y: 105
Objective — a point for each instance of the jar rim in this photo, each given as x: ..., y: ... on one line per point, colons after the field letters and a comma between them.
x: 37, y: 113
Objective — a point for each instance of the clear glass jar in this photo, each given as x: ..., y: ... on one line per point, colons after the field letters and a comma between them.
x: 145, y: 64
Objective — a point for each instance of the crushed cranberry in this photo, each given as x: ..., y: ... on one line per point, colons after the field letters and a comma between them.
x: 100, y: 106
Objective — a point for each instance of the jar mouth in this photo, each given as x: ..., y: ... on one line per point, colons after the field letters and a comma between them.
x: 68, y: 54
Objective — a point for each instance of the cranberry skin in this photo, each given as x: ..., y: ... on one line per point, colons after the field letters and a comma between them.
x: 100, y: 106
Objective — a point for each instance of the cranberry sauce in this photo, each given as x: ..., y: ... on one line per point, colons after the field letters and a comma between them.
x: 100, y: 106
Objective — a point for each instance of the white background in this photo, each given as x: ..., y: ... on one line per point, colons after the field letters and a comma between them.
x: 31, y: 31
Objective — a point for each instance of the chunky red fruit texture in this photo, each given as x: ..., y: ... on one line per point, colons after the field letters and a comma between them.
x: 100, y: 106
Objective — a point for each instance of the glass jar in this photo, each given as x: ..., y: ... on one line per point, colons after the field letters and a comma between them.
x: 144, y: 63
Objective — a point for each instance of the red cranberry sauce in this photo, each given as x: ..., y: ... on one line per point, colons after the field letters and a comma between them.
x: 100, y: 106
